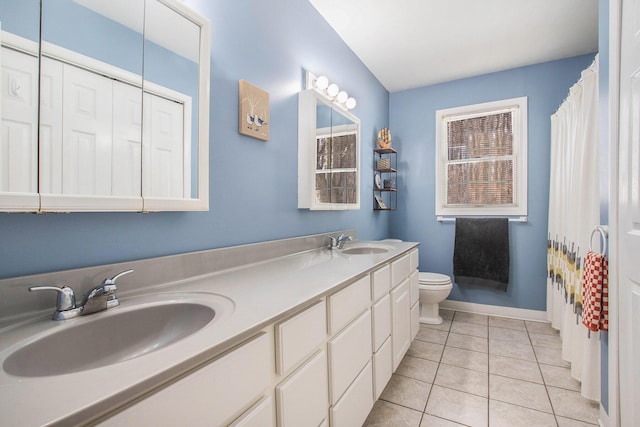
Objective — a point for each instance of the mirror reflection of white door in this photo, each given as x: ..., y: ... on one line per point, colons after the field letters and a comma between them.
x: 127, y: 140
x: 628, y: 233
x: 164, y: 154
x: 87, y: 125
x: 18, y: 137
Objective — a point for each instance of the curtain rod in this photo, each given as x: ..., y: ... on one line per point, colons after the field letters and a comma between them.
x: 452, y: 219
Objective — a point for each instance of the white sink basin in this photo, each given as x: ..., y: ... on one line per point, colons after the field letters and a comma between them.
x: 365, y: 248
x: 136, y: 328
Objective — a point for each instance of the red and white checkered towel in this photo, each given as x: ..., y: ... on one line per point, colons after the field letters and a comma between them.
x: 595, y: 292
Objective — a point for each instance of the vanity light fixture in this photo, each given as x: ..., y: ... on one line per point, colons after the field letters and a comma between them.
x: 331, y: 91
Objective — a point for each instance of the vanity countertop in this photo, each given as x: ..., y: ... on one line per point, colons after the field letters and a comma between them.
x: 263, y: 293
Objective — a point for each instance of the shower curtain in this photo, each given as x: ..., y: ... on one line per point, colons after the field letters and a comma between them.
x: 574, y: 211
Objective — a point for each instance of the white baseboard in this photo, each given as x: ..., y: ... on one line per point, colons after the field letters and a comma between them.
x: 495, y: 310
x: 603, y: 417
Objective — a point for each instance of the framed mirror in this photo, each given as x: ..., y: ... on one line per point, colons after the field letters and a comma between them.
x: 328, y: 155
x: 19, y: 65
x: 121, y: 119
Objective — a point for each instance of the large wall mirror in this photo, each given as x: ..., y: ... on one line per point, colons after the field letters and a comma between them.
x: 124, y: 105
x: 328, y: 155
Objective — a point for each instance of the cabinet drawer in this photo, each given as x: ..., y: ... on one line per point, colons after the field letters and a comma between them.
x: 400, y: 270
x: 348, y: 303
x: 381, y: 282
x: 259, y: 415
x: 299, y: 336
x: 381, y: 312
x: 206, y: 396
x: 355, y: 405
x: 414, y: 288
x: 302, y: 399
x: 415, y: 258
x: 348, y: 353
x: 382, y: 368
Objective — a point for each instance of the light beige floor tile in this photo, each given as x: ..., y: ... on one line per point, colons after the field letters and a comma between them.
x: 473, y: 329
x: 466, y: 359
x: 543, y: 340
x: 385, y: 414
x: 468, y: 342
x: 568, y: 422
x: 446, y: 314
x: 505, y: 334
x: 514, y: 350
x: 431, y: 421
x: 518, y: 392
x: 444, y: 326
x: 462, y: 379
x: 426, y: 350
x: 514, y: 368
x: 459, y: 407
x: 431, y: 335
x: 540, y: 328
x: 505, y: 322
x: 503, y: 414
x: 557, y: 376
x: 550, y: 356
x: 571, y: 404
x: 479, y: 319
x: 406, y: 392
x: 417, y: 368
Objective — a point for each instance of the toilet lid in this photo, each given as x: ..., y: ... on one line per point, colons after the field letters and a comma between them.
x: 433, y: 278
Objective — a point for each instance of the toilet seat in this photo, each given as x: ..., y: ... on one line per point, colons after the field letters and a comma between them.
x: 431, y: 279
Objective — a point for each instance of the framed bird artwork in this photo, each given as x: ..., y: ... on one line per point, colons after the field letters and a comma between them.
x: 253, y: 111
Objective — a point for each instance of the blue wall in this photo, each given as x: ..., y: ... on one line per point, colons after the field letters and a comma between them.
x: 253, y: 184
x: 412, y: 115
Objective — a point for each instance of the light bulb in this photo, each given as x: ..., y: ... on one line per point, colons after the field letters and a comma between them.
x: 322, y: 82
x: 342, y: 96
x: 350, y: 104
x: 333, y: 90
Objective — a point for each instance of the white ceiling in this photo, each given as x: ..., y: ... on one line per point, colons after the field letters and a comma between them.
x: 414, y: 43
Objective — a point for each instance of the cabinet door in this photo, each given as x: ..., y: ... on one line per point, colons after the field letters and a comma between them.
x: 212, y: 396
x: 381, y: 321
x: 355, y: 405
x: 401, y: 320
x: 259, y: 415
x: 302, y: 399
x: 299, y: 336
x: 349, y: 351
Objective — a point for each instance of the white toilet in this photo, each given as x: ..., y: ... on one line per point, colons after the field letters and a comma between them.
x: 434, y: 288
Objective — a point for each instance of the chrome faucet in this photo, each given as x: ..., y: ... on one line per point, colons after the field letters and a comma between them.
x: 338, y: 242
x: 99, y: 298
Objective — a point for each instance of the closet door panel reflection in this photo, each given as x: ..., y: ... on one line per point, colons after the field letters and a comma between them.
x: 19, y: 107
x: 51, y: 76
x: 166, y: 157
x: 87, y: 123
x: 127, y: 140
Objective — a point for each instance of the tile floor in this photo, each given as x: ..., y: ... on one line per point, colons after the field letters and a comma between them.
x: 476, y: 370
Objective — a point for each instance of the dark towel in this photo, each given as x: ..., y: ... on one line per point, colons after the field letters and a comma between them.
x: 481, y: 252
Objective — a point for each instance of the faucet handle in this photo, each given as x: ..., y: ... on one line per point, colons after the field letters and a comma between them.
x: 112, y: 281
x: 66, y: 298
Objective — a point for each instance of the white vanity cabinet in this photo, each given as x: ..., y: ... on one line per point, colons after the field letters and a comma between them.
x: 214, y: 395
x: 322, y: 366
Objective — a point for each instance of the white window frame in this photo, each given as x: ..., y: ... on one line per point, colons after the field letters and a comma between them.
x: 519, y: 126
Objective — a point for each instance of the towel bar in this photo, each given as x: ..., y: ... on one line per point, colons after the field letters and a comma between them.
x: 452, y: 219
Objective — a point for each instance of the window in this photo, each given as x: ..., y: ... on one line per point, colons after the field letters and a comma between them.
x: 481, y: 159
